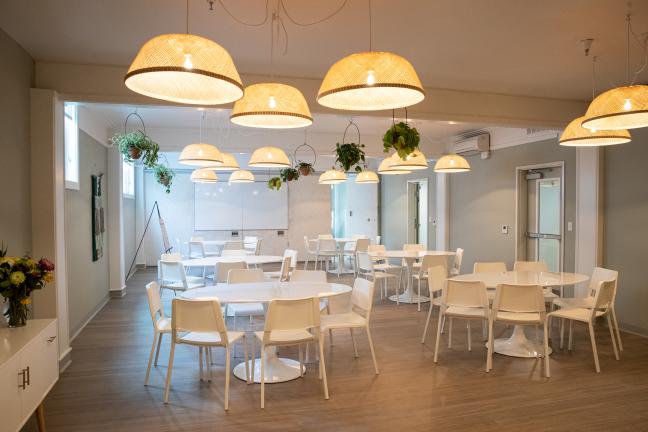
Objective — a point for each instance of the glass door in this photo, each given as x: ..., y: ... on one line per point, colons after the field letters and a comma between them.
x: 545, y: 235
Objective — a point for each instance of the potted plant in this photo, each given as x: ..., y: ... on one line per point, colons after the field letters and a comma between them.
x: 137, y: 145
x: 19, y: 276
x: 350, y: 154
x: 289, y: 174
x: 402, y: 138
x: 305, y: 168
x: 274, y: 183
x: 164, y: 175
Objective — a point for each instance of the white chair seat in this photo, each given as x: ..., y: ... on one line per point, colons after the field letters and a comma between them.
x: 521, y: 317
x: 572, y: 303
x: 468, y: 312
x: 342, y: 320
x: 579, y: 314
x: 383, y: 275
x: 190, y: 284
x: 203, y: 338
x: 245, y: 309
x: 548, y: 295
x: 286, y: 336
x: 386, y: 267
x: 163, y: 325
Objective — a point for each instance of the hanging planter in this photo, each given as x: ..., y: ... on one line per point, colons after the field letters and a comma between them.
x: 137, y: 145
x: 305, y: 168
x: 289, y: 174
x: 401, y: 137
x: 274, y: 183
x: 348, y: 155
x: 164, y: 175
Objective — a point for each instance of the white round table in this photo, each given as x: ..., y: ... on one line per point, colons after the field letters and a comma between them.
x: 249, y: 259
x: 518, y: 345
x: 277, y: 369
x: 341, y: 243
x: 409, y: 257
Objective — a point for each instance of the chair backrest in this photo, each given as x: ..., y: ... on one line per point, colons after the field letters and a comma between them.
x: 250, y: 239
x: 489, y: 267
x: 196, y: 238
x: 433, y: 261
x: 413, y: 247
x: 252, y: 245
x: 324, y: 236
x: 326, y: 245
x: 362, y: 245
x: 437, y: 276
x: 365, y: 265
x: 362, y: 297
x: 285, y: 269
x: 376, y: 248
x: 197, y: 316
x: 154, y: 301
x: 307, y: 245
x: 297, y: 314
x: 230, y: 245
x: 196, y: 248
x: 530, y: 266
x: 173, y: 271
x: 470, y: 294
x: 245, y: 276
x: 601, y: 274
x: 175, y: 256
x: 605, y: 294
x: 318, y: 276
x: 456, y: 267
x: 292, y: 253
x: 233, y: 252
x: 519, y: 298
x: 223, y: 268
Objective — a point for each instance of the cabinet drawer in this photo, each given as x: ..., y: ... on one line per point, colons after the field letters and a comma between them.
x: 10, y: 411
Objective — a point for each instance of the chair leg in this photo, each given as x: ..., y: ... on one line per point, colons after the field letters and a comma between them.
x: 200, y: 362
x: 301, y: 360
x: 253, y: 359
x: 246, y: 354
x: 489, y: 359
x: 371, y: 348
x: 562, y: 332
x: 167, y: 384
x: 306, y: 262
x: 469, y: 335
x: 450, y: 334
x: 484, y: 330
x: 571, y: 335
x: 157, y: 351
x: 546, y: 350
x: 614, y: 345
x: 594, y: 351
x: 228, y: 372
x: 427, y: 322
x: 262, y: 376
x: 355, y: 347
x: 148, y: 368
x: 438, y: 333
x: 323, y: 367
x: 616, y: 326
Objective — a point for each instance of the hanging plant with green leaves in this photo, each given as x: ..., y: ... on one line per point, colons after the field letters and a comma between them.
x: 305, y: 168
x: 348, y: 155
x: 289, y: 174
x: 137, y: 145
x: 274, y: 183
x: 164, y: 175
x: 402, y: 138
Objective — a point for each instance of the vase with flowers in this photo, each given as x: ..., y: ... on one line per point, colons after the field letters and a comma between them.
x: 19, y: 276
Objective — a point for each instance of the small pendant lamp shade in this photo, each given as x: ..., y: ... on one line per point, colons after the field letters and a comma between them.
x: 451, y: 163
x: 185, y: 68
x: 332, y: 176
x: 575, y: 135
x: 412, y: 162
x: 371, y: 81
x: 241, y: 176
x: 386, y: 168
x: 272, y: 106
x: 269, y: 157
x: 367, y: 177
x: 202, y: 155
x: 203, y: 175
x: 618, y: 109
x: 229, y: 163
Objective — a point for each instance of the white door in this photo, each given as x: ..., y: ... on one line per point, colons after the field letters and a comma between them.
x: 10, y: 395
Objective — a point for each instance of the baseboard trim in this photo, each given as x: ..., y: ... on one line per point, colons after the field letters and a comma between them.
x: 65, y: 360
x: 117, y: 293
x: 637, y: 331
x: 90, y: 318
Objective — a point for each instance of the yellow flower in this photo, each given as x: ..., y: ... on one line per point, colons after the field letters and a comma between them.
x: 48, y: 277
x: 25, y: 301
x: 17, y: 277
x: 9, y: 260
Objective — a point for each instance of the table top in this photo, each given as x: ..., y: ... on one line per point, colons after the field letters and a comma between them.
x: 409, y: 254
x: 214, y: 242
x: 249, y: 259
x: 340, y: 239
x: 545, y: 279
x: 264, y: 292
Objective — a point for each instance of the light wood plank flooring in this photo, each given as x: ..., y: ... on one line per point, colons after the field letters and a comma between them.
x: 103, y: 388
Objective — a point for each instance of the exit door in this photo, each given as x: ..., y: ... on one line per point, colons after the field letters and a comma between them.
x: 417, y: 211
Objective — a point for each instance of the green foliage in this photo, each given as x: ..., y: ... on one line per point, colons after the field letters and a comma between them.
x: 401, y: 138
x: 305, y: 168
x: 350, y: 154
x: 274, y: 183
x: 288, y: 174
x: 164, y: 175
x: 137, y: 145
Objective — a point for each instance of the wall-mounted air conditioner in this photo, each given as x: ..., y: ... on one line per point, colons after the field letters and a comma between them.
x: 476, y: 144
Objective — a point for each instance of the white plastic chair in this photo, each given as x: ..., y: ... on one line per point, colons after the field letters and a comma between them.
x: 291, y: 322
x: 327, y: 250
x: 316, y: 276
x: 223, y: 268
x: 357, y: 316
x: 310, y: 252
x: 462, y: 300
x: 288, y: 253
x: 489, y: 267
x: 325, y: 236
x: 456, y: 266
x: 602, y: 307
x: 233, y: 245
x: 530, y: 266
x: 161, y: 324
x: 428, y: 262
x: 252, y: 245
x: 172, y: 274
x: 366, y: 270
x: 522, y: 305
x: 361, y: 245
x: 436, y: 277
x: 197, y: 248
x: 238, y: 276
x: 233, y: 252
x: 200, y: 323
x: 382, y: 264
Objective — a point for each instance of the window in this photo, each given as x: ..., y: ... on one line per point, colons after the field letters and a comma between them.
x: 71, y: 132
x: 128, y: 178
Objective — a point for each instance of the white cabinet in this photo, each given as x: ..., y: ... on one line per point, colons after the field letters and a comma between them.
x: 28, y: 370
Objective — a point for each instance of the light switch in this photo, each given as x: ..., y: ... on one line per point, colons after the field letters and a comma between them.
x: 505, y: 229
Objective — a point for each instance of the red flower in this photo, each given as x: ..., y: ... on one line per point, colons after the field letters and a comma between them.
x: 46, y: 265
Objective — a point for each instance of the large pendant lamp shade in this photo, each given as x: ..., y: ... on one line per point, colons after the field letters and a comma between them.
x: 241, y: 176
x: 332, y: 177
x: 371, y: 81
x: 412, y: 162
x: 269, y: 157
x: 202, y: 155
x: 272, y: 106
x: 618, y: 109
x: 204, y: 175
x: 386, y: 168
x: 185, y: 68
x: 229, y: 163
x: 575, y: 135
x: 367, y: 177
x: 451, y: 163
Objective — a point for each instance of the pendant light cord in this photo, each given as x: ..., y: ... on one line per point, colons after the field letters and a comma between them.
x: 370, y: 48
x: 187, y: 18
x: 308, y: 24
x: 593, y: 76
x: 628, y: 48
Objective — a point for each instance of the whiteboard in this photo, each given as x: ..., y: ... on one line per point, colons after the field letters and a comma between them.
x: 239, y: 206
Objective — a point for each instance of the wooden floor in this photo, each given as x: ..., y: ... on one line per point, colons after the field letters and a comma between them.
x: 103, y: 388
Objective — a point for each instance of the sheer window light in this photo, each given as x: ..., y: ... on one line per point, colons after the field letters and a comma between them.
x: 128, y: 179
x: 71, y: 133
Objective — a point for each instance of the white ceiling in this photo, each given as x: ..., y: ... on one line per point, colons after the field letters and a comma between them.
x: 522, y: 47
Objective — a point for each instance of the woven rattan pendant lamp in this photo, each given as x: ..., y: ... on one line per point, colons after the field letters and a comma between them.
x: 451, y: 163
x: 386, y: 168
x: 371, y: 80
x: 204, y: 175
x: 241, y: 176
x: 269, y: 157
x: 621, y: 107
x: 229, y: 163
x: 367, y: 177
x: 332, y: 177
x: 185, y: 68
x: 201, y: 154
x: 412, y: 162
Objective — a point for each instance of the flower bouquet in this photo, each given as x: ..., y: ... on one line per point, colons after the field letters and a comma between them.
x: 19, y: 276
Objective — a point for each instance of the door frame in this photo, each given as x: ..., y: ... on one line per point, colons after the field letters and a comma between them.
x: 427, y: 204
x: 521, y: 216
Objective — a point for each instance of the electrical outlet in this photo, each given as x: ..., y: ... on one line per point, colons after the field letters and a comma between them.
x: 505, y: 229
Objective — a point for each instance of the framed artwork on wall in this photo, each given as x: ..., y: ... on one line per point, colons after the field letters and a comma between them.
x: 98, y: 217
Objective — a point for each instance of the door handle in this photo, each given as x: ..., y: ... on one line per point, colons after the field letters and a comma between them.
x: 25, y: 378
x: 51, y: 339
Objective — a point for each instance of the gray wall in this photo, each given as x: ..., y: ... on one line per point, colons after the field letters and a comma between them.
x: 625, y: 229
x: 87, y: 280
x: 483, y: 200
x: 393, y: 207
x: 128, y: 209
x: 16, y: 76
